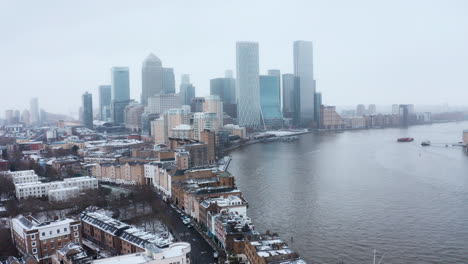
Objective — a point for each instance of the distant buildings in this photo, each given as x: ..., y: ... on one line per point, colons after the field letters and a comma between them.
x: 291, y: 98
x: 42, y: 239
x: 151, y: 77
x: 303, y: 68
x: 105, y: 100
x: 277, y: 74
x: 133, y: 114
x: 372, y: 110
x: 213, y: 104
x: 168, y: 81
x: 360, y: 110
x: 270, y: 101
x: 120, y: 93
x: 247, y: 85
x: 87, y: 99
x: 330, y: 119
x: 131, y: 173
x: 187, y: 90
x: 225, y: 88
x: 197, y: 104
x: 34, y: 111
x: 160, y: 103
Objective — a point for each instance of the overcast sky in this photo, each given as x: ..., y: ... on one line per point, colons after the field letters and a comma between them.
x: 365, y: 51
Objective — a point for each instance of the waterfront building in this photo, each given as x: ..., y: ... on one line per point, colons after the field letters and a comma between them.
x: 105, y: 99
x: 34, y: 110
x: 168, y: 81
x: 58, y: 189
x: 277, y: 74
x: 151, y: 78
x: 303, y: 68
x: 88, y: 110
x: 235, y: 130
x: 395, y: 109
x: 247, y: 85
x: 404, y: 115
x: 270, y: 102
x: 263, y: 249
x: 360, y: 110
x: 187, y: 90
x: 42, y: 239
x: 133, y: 114
x: 160, y: 103
x: 330, y: 119
x: 213, y: 104
x: 465, y: 137
x: 318, y: 105
x: 120, y: 84
x: 291, y: 98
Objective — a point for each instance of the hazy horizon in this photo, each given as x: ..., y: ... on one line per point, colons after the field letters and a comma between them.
x: 364, y: 51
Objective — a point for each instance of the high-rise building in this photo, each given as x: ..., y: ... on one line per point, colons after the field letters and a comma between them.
x: 34, y: 110
x: 118, y: 111
x: 187, y: 90
x: 168, y: 81
x: 160, y: 103
x: 120, y: 84
x: 159, y: 131
x: 26, y: 117
x: 395, y: 109
x: 88, y: 110
x: 277, y: 73
x: 197, y: 104
x: 291, y: 98
x: 270, y: 102
x: 151, y: 78
x: 303, y: 68
x: 360, y: 110
x: 247, y: 85
x: 105, y: 99
x: 404, y: 113
x: 372, y: 110
x: 318, y: 107
x: 179, y: 116
x: 225, y: 88
x: 204, y: 121
x: 213, y: 104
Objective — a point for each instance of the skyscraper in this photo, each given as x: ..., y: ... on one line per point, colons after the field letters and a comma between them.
x: 247, y: 85
x: 360, y: 110
x: 291, y: 98
x: 151, y: 77
x: 372, y: 110
x: 187, y: 90
x: 120, y: 84
x: 34, y: 110
x: 277, y: 73
x: 168, y: 81
x: 88, y: 110
x: 318, y: 107
x: 225, y: 88
x: 105, y: 99
x: 303, y: 68
x: 269, y: 101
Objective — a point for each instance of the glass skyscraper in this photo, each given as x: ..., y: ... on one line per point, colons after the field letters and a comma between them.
x: 187, y: 90
x: 88, y: 110
x: 168, y: 81
x: 151, y: 77
x: 291, y: 98
x: 120, y: 84
x: 105, y: 99
x: 303, y: 68
x: 270, y: 101
x: 247, y: 85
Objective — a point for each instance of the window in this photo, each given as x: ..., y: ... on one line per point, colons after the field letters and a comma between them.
x: 75, y: 228
x: 43, y: 233
x: 59, y: 244
x: 34, y: 250
x: 65, y: 229
x: 33, y: 243
x: 58, y: 231
x: 33, y: 236
x: 66, y: 236
x: 44, y: 248
x: 50, y: 232
x: 77, y: 240
x: 76, y: 234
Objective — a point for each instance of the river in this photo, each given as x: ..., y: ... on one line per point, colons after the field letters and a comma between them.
x: 342, y: 195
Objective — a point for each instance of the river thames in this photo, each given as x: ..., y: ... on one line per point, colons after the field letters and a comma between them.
x: 338, y: 196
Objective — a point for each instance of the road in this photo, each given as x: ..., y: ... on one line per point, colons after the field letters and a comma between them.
x: 201, y: 251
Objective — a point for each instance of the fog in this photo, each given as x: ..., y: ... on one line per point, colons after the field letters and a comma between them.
x: 365, y: 51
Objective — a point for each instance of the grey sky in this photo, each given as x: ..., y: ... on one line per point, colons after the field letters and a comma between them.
x: 366, y: 51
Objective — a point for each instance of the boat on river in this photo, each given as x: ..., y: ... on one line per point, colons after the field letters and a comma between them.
x: 407, y: 139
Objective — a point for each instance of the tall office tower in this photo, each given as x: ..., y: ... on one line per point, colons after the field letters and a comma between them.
x: 26, y: 117
x: 120, y: 84
x: 360, y: 110
x: 120, y: 93
x: 105, y: 99
x: 203, y: 121
x: 187, y: 90
x: 197, y: 104
x: 160, y: 103
x: 213, y: 104
x: 395, y: 109
x: 372, y: 109
x: 269, y: 102
x: 291, y: 98
x: 88, y: 110
x: 34, y: 110
x: 247, y: 85
x: 404, y: 113
x: 318, y: 106
x: 228, y: 74
x: 168, y: 81
x: 151, y: 78
x: 277, y: 73
x: 304, y: 69
x: 225, y: 88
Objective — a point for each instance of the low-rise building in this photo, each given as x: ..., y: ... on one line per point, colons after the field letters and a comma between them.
x: 24, y: 176
x: 131, y: 173
x: 71, y: 253
x: 42, y: 239
x: 42, y: 189
x: 270, y: 249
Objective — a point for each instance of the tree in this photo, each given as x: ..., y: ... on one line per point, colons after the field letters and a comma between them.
x: 74, y: 150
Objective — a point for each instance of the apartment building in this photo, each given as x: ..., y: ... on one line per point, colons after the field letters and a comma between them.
x: 66, y: 188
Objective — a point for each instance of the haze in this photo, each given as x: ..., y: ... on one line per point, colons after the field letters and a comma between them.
x: 365, y: 51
